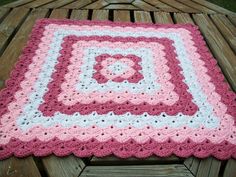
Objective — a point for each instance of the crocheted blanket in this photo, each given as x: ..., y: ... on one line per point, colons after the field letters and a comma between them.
x: 101, y: 88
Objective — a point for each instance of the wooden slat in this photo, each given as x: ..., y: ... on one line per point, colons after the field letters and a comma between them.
x: 209, y: 167
x: 79, y: 14
x: 230, y: 170
x: 213, y: 6
x: 162, y: 6
x: 119, y: 1
x: 10, y: 56
x: 144, y: 6
x: 3, y: 13
x: 121, y: 6
x: 57, y: 4
x: 141, y: 16
x: 192, y: 164
x: 78, y: 4
x: 226, y: 28
x: 197, y: 6
x: 215, y: 168
x: 219, y: 47
x: 37, y: 3
x: 232, y: 18
x: 111, y: 160
x: 17, y: 3
x: 10, y: 25
x: 59, y: 13
x: 175, y: 170
x: 121, y: 15
x: 183, y: 18
x: 180, y: 6
x: 63, y: 167
x: 15, y: 167
x: 100, y: 15
x: 97, y: 5
x: 163, y: 17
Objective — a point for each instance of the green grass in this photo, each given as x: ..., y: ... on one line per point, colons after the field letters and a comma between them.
x: 2, y: 2
x: 227, y: 4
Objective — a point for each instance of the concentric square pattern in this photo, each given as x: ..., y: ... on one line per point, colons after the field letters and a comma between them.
x: 97, y: 88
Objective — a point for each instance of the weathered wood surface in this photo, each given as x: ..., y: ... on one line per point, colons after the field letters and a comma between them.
x: 187, y: 6
x: 219, y: 47
x: 111, y: 160
x: 9, y: 56
x: 15, y: 167
x: 70, y: 166
x: 227, y: 29
x: 10, y: 24
x: 216, y: 28
x: 176, y: 170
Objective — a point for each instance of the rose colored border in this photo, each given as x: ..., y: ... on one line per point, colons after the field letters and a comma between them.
x: 52, y: 105
x: 223, y: 150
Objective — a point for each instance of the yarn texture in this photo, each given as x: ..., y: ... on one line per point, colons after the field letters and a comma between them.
x: 127, y: 89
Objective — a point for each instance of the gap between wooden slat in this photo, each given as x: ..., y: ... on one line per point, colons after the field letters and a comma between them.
x: 57, y: 3
x: 9, y: 56
x: 219, y: 47
x: 3, y: 13
x: 18, y: 3
x: 10, y: 26
x: 226, y: 28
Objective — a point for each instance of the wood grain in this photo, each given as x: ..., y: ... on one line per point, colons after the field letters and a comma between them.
x: 208, y: 167
x: 3, y: 13
x: 97, y: 5
x: 100, y: 15
x: 219, y: 47
x: 163, y: 18
x: 141, y: 16
x: 10, y: 25
x: 192, y: 163
x: 79, y: 14
x: 17, y: 3
x: 36, y: 3
x: 57, y: 4
x: 15, y: 167
x: 144, y: 6
x: 63, y: 167
x: 232, y: 18
x: 213, y: 6
x: 175, y: 170
x: 197, y: 6
x: 9, y: 57
x: 230, y: 170
x: 78, y: 4
x: 111, y: 160
x: 182, y: 18
x: 59, y: 13
x: 162, y: 6
x: 121, y: 15
x: 227, y: 29
x: 180, y: 6
x: 121, y: 6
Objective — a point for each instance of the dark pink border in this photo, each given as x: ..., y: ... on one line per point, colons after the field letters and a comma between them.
x: 223, y: 150
x: 52, y: 105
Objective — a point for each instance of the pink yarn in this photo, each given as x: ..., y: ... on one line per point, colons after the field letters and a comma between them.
x: 222, y: 100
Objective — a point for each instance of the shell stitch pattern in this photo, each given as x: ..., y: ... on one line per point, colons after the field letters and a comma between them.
x: 46, y: 108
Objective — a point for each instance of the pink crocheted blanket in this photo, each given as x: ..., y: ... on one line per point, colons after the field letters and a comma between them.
x: 101, y: 88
